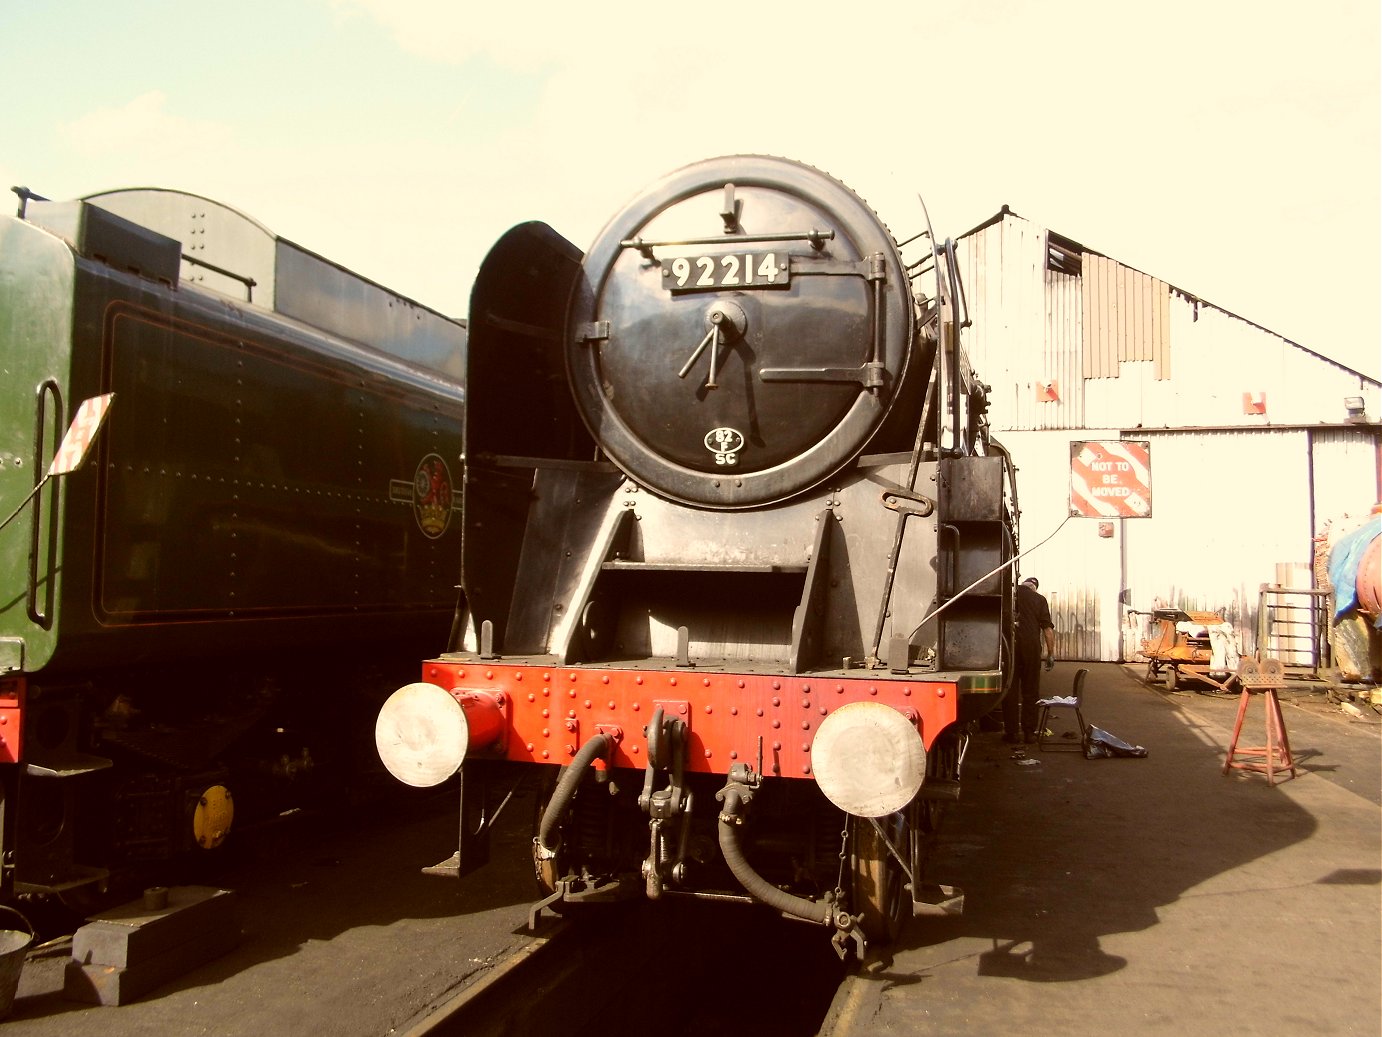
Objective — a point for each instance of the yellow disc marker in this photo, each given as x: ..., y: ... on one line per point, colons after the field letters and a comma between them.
x: 212, y: 819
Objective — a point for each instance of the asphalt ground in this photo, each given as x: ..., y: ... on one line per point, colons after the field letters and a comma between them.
x: 1154, y: 895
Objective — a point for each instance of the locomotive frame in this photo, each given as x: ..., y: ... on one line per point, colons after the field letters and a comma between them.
x: 737, y: 572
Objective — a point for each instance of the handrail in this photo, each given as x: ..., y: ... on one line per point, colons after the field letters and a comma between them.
x: 44, y: 616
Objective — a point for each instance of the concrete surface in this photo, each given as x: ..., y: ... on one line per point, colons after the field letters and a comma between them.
x: 1150, y: 896
x: 341, y: 934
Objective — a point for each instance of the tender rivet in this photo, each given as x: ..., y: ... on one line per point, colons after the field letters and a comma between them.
x: 532, y: 697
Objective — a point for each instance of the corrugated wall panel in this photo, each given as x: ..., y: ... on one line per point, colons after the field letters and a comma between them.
x: 1220, y: 522
x: 1122, y: 311
x: 1229, y: 513
x: 1162, y: 348
x: 1063, y: 334
x: 1347, y: 468
x: 1028, y: 325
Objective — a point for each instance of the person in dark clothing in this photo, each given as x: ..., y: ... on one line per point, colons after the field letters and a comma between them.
x: 1034, y: 627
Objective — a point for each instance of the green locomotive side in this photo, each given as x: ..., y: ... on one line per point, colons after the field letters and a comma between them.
x: 37, y: 273
x: 251, y: 470
x: 263, y: 535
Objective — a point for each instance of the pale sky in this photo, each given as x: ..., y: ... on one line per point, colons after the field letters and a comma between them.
x: 1231, y: 149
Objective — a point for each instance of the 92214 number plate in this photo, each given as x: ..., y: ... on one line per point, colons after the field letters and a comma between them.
x: 728, y: 270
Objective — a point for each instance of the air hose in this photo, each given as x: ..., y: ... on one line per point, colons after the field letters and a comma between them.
x: 821, y: 912
x: 601, y: 745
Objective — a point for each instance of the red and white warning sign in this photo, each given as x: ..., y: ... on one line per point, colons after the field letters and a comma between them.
x: 1111, y: 479
x: 85, y: 424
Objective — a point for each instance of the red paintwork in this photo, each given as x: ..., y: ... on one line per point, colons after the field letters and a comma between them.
x: 552, y: 711
x: 11, y: 717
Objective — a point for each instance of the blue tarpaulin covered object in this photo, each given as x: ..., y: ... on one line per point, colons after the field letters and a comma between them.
x: 1344, y: 560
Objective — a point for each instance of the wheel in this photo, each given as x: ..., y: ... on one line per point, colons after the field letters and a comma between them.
x: 880, y: 885
x: 1172, y: 678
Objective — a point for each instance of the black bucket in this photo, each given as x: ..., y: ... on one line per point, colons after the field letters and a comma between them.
x: 14, y: 945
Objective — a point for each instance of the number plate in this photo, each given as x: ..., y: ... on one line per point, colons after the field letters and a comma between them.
x: 727, y: 270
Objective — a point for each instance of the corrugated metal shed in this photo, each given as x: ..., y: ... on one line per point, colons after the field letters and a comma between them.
x: 1090, y: 342
x: 1252, y: 444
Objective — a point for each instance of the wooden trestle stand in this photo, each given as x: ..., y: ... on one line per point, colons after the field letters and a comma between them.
x: 1264, y: 679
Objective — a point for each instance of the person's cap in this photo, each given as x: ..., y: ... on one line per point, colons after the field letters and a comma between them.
x: 1033, y: 581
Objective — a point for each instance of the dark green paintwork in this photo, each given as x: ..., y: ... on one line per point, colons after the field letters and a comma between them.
x: 251, y: 488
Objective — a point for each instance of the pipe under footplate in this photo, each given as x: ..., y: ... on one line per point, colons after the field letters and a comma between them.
x: 821, y: 912
x: 599, y: 746
x: 423, y: 733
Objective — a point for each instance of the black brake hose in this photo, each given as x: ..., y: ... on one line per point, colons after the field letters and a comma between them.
x: 821, y: 912
x: 598, y: 746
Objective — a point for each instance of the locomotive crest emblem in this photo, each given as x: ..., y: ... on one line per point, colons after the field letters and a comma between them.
x: 430, y: 493
x: 725, y: 444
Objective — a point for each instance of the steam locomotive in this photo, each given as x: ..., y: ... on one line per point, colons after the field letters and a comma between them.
x: 736, y: 574
x: 271, y: 482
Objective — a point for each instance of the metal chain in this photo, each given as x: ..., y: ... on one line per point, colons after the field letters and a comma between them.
x: 844, y: 856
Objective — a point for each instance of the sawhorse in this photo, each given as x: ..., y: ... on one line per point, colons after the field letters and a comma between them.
x: 1262, y: 679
